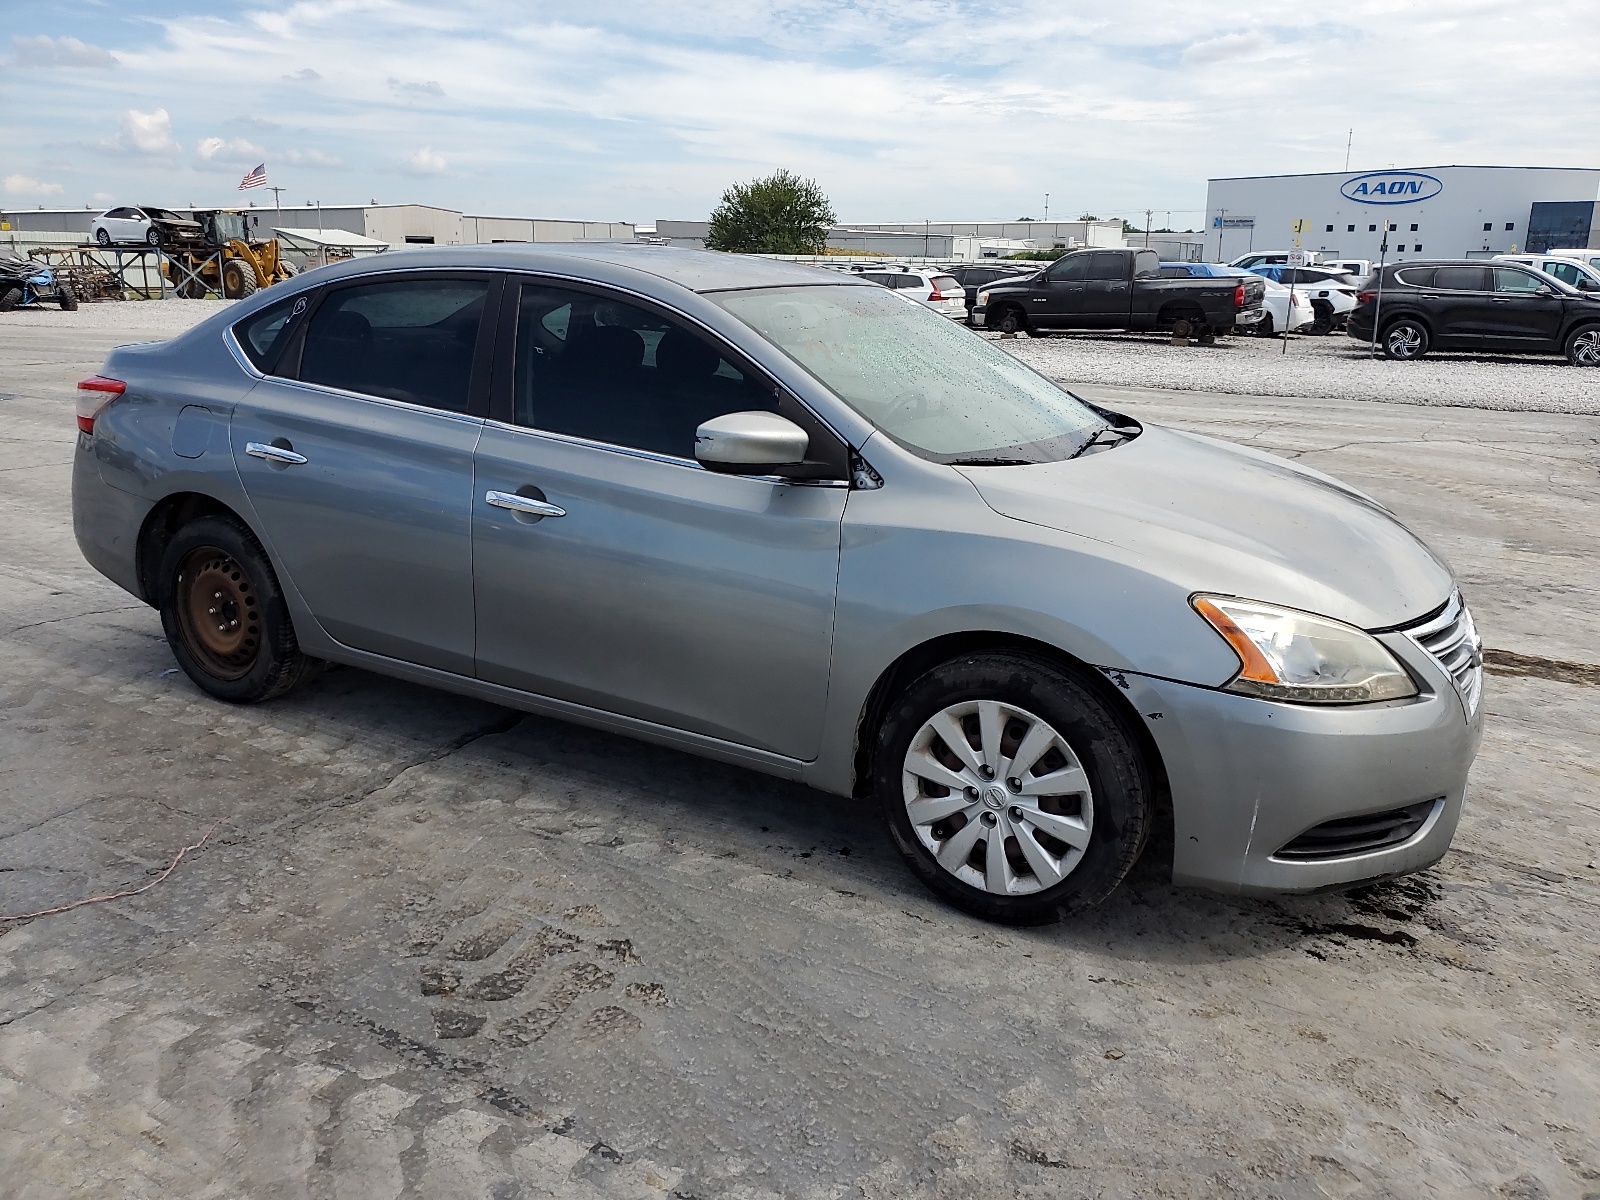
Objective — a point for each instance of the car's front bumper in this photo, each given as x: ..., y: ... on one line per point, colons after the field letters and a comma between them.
x: 1249, y: 776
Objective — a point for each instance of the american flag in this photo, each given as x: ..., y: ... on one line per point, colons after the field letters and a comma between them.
x: 256, y: 178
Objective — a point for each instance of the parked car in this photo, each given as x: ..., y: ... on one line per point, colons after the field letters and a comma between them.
x: 1268, y: 258
x: 1476, y: 306
x: 25, y: 282
x: 1589, y: 257
x: 1115, y: 289
x: 1571, y: 271
x: 939, y: 290
x: 974, y: 276
x: 1332, y: 293
x: 776, y: 516
x: 142, y: 224
x: 1356, y: 268
x: 1280, y: 309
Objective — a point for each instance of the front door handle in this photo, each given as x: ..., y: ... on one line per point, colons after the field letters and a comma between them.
x: 526, y: 505
x: 274, y: 454
x: 1499, y: 299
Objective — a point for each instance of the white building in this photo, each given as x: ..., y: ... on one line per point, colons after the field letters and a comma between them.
x: 1432, y: 212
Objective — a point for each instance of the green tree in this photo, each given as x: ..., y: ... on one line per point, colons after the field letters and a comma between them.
x: 781, y: 214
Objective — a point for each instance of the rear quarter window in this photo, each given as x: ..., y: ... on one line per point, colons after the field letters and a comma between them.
x: 1415, y: 276
x: 263, y: 335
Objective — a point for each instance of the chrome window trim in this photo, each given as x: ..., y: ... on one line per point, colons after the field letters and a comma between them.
x: 671, y: 460
x: 386, y: 401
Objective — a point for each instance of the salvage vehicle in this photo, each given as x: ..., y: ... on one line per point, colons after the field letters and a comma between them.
x: 1117, y: 289
x: 143, y: 224
x: 1411, y: 308
x: 1332, y: 293
x: 225, y: 245
x: 1281, y: 311
x: 25, y: 282
x: 781, y: 517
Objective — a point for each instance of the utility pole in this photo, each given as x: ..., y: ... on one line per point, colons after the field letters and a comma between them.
x: 277, y: 204
x: 1047, y: 206
x: 1222, y: 225
x: 1347, y: 142
x: 1148, y: 213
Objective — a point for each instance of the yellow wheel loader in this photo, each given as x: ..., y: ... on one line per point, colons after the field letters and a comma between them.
x: 246, y: 265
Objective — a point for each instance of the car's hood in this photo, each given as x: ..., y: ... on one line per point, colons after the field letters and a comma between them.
x: 1216, y: 517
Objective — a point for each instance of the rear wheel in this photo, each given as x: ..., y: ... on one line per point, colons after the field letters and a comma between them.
x: 1323, y: 325
x: 66, y: 297
x: 1012, y: 788
x: 1264, y: 327
x: 152, y: 237
x: 1405, y: 340
x: 1583, y: 346
x: 10, y: 298
x: 224, y: 614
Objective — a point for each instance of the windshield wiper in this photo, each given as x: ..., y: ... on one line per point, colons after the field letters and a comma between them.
x: 1125, y: 432
x: 990, y: 462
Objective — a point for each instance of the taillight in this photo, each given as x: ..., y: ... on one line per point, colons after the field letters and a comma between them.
x: 937, y: 295
x: 1238, y: 296
x: 94, y: 393
x: 1366, y: 297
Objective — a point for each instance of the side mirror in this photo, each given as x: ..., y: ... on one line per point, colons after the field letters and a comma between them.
x: 1585, y: 284
x: 1545, y: 290
x: 750, y: 443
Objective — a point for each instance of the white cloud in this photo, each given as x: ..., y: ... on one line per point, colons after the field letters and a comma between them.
x: 304, y: 75
x: 27, y: 185
x: 423, y: 161
x: 310, y: 158
x: 144, y: 133
x: 59, y: 52
x: 235, y: 152
x: 406, y: 87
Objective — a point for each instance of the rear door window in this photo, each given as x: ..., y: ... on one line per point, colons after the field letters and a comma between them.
x: 1108, y: 266
x: 910, y: 282
x: 1462, y: 279
x: 410, y: 340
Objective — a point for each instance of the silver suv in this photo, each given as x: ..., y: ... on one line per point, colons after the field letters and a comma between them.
x: 783, y: 518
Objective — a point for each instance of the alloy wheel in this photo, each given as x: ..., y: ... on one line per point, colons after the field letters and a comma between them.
x: 218, y: 613
x: 1586, y: 348
x: 998, y: 797
x: 1405, y: 341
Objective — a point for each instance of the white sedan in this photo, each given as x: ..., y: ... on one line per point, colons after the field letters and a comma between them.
x: 141, y: 225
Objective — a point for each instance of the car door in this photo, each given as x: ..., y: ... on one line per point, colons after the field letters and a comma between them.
x: 128, y: 225
x: 357, y: 459
x: 638, y: 582
x: 1525, y: 311
x: 1058, y: 297
x: 1457, y: 305
x: 1107, y: 292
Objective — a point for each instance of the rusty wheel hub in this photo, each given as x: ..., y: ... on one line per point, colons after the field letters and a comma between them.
x: 218, y: 613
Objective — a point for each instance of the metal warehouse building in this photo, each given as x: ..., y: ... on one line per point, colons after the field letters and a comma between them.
x: 1434, y: 212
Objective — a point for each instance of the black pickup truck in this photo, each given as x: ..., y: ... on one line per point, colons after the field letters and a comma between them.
x: 1117, y: 289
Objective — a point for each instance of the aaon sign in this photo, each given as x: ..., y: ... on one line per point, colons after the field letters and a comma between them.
x: 1391, y: 187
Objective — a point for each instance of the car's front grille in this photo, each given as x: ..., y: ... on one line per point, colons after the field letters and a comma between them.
x: 1452, y: 640
x: 1358, y: 835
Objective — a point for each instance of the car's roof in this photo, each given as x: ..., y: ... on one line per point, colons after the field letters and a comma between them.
x: 697, y: 270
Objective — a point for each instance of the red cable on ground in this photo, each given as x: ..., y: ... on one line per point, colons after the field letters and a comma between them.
x: 171, y: 867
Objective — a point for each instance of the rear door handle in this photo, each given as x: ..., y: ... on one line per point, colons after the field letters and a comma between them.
x: 524, y: 504
x: 276, y: 454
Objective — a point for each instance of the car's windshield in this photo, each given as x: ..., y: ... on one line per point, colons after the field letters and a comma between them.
x: 931, y: 385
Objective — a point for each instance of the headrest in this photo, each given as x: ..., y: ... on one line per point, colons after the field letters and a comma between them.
x: 682, y: 354
x: 606, y: 350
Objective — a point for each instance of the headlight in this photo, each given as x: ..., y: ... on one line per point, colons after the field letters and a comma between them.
x: 983, y: 299
x: 1295, y: 656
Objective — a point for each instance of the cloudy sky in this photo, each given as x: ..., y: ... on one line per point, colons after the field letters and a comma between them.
x: 938, y: 110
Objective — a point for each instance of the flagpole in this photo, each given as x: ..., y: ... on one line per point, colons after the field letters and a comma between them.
x: 277, y: 205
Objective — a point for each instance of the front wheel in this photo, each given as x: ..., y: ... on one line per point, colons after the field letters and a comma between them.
x: 10, y: 298
x: 1011, y: 320
x: 1405, y: 340
x: 67, y: 298
x: 238, y: 279
x: 224, y: 614
x: 102, y: 237
x: 1583, y: 346
x: 1012, y: 788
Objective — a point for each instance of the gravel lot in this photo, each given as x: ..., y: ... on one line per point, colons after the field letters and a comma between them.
x: 438, y: 949
x: 1333, y: 367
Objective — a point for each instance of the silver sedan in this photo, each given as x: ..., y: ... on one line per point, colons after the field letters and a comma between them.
x: 791, y: 520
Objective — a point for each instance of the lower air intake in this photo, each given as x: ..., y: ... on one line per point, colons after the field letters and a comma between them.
x: 1358, y: 835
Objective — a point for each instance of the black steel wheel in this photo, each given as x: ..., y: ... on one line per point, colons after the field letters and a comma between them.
x: 1013, y: 787
x: 1011, y: 320
x: 224, y: 614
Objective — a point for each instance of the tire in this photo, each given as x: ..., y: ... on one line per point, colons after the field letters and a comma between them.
x: 1264, y: 327
x: 152, y: 237
x: 1012, y: 320
x: 102, y: 237
x: 1110, y: 812
x: 238, y: 280
x: 66, y: 297
x: 1405, y: 340
x: 1323, y: 325
x: 10, y: 298
x: 252, y: 654
x: 1583, y: 346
